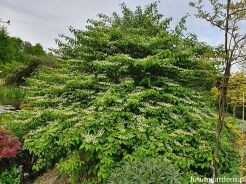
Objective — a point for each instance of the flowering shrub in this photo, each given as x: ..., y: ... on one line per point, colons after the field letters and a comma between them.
x: 134, y: 88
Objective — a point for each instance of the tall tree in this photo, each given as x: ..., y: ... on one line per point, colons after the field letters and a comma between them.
x: 5, y: 47
x: 14, y: 49
x: 227, y: 17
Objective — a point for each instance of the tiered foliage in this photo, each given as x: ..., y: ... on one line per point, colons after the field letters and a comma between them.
x: 131, y: 91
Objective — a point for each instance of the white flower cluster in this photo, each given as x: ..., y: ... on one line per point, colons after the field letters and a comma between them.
x: 93, y: 138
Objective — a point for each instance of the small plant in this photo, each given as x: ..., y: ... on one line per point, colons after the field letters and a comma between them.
x: 11, y: 96
x: 10, y: 177
x: 9, y: 145
x: 89, y: 181
x: 146, y: 171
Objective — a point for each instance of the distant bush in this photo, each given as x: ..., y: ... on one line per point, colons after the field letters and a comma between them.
x: 148, y: 170
x: 7, y: 68
x: 18, y: 76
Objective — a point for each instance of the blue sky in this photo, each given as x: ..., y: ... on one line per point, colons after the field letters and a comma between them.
x: 40, y: 21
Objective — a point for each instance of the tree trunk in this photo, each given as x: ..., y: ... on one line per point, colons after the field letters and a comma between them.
x: 226, y: 110
x: 222, y: 106
x: 242, y: 146
x: 243, y: 109
x: 220, y: 122
x: 21, y: 174
x: 234, y: 112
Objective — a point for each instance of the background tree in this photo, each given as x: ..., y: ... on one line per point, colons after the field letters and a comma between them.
x: 12, y: 48
x: 227, y: 17
x: 236, y: 89
x: 6, y: 49
x: 33, y: 50
x: 14, y: 52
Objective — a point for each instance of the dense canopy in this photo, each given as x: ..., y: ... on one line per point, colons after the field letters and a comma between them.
x: 128, y: 86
